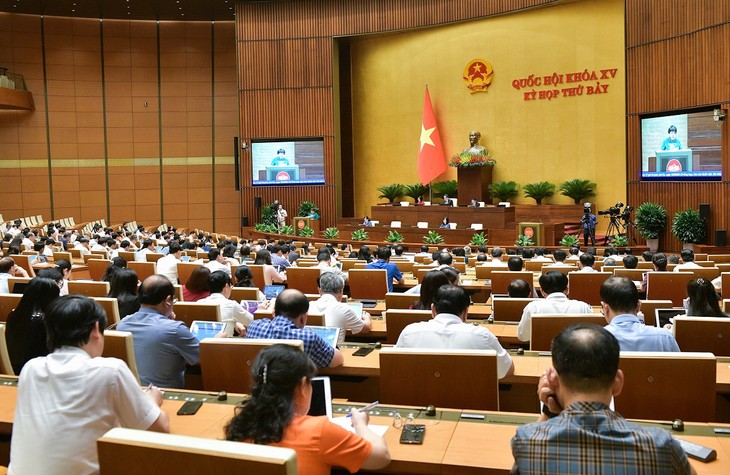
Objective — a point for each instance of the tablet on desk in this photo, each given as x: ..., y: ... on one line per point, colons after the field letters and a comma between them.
x: 202, y: 329
x: 321, y: 404
x: 366, y: 303
x: 272, y: 291
x: 329, y: 334
x: 356, y: 307
x: 666, y: 315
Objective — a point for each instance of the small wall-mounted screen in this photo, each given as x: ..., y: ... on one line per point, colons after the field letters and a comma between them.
x: 288, y: 161
x: 681, y: 146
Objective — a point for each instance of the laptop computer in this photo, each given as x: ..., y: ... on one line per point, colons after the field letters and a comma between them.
x: 273, y: 291
x: 202, y: 329
x: 666, y: 315
x: 321, y: 404
x: 329, y: 334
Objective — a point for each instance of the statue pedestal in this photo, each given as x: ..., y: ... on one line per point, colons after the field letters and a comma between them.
x: 474, y: 183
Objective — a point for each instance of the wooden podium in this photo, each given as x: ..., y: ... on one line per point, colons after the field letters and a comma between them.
x: 533, y: 231
x: 301, y: 222
x: 474, y: 183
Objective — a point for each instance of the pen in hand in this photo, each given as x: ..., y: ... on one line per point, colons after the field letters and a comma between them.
x: 366, y: 408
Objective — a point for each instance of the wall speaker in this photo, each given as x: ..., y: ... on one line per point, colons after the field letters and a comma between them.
x: 721, y: 237
x: 244, y: 221
x: 705, y: 211
x: 257, y: 201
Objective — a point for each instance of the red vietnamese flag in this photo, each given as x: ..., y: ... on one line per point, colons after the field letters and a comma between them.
x: 431, y: 159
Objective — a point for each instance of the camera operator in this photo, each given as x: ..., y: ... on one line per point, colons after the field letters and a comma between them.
x: 589, y: 221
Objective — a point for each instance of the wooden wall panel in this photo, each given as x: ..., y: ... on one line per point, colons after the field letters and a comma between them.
x: 292, y: 63
x: 304, y: 112
x: 657, y: 20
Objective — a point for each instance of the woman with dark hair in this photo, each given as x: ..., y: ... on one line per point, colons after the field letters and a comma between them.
x: 431, y: 283
x: 271, y: 276
x: 25, y: 332
x: 276, y: 414
x: 703, y: 301
x: 445, y: 223
x: 229, y: 252
x: 364, y: 254
x: 116, y: 264
x: 124, y: 289
x: 196, y: 287
x: 244, y: 277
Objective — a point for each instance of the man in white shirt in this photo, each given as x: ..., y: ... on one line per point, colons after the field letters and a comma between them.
x: 448, y: 329
x: 219, y: 284
x: 688, y: 261
x: 496, y: 261
x: 585, y: 263
x: 148, y: 246
x: 553, y: 286
x: 167, y: 265
x: 73, y: 396
x: 324, y: 262
x: 337, y: 314
x: 216, y: 261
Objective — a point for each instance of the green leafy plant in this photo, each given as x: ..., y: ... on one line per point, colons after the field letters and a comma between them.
x: 391, y: 192
x: 688, y: 226
x: 619, y: 240
x: 479, y: 239
x: 539, y: 191
x: 306, y: 231
x: 651, y: 219
x: 331, y: 233
x: 305, y: 207
x: 578, y: 189
x: 450, y: 187
x: 394, y: 236
x: 433, y: 238
x: 414, y: 191
x: 268, y: 214
x: 524, y: 241
x: 287, y: 230
x: 359, y: 235
x: 569, y: 240
x: 265, y: 228
x: 504, y: 190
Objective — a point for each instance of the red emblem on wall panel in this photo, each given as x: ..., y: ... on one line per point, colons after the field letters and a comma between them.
x: 673, y: 165
x: 529, y: 232
x: 478, y: 75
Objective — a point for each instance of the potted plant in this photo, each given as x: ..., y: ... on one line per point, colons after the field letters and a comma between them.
x: 651, y: 220
x: 578, y: 189
x: 433, y: 238
x: 265, y: 228
x: 306, y: 207
x: 394, y: 237
x: 359, y: 235
x: 414, y: 191
x: 524, y: 241
x: 504, y: 190
x: 391, y: 192
x: 287, y: 230
x: 450, y: 187
x: 539, y: 191
x: 306, y: 231
x: 689, y: 227
x: 268, y: 214
x: 331, y: 233
x: 570, y: 240
x: 619, y: 240
x: 479, y: 239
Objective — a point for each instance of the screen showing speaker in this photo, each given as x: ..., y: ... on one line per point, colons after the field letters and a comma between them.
x: 682, y: 145
x: 288, y: 161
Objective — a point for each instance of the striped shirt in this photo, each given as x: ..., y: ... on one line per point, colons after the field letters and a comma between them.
x: 281, y: 328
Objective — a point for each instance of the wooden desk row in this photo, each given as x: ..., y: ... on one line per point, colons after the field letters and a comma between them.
x: 452, y: 444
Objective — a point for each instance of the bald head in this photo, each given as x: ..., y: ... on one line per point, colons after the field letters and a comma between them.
x: 6, y: 263
x: 155, y: 289
x: 291, y: 304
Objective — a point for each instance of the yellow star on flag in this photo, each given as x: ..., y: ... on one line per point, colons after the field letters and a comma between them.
x: 426, y: 136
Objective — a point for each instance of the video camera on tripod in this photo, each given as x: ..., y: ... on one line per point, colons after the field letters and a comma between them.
x: 612, y: 212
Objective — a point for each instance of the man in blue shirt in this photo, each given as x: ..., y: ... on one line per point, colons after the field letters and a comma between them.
x: 162, y: 345
x: 578, y: 432
x: 291, y: 309
x: 393, y: 273
x: 620, y: 304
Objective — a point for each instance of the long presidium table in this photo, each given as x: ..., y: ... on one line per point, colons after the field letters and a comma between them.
x: 453, y: 444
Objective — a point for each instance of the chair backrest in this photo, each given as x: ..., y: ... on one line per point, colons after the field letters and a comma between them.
x: 368, y: 283
x: 556, y: 268
x: 143, y: 269
x: 395, y: 224
x: 509, y: 309
x: 97, y: 268
x: 725, y: 279
x: 154, y: 256
x: 502, y: 279
x: 95, y: 255
x: 710, y: 334
x: 667, y: 386
x: 535, y: 266
x: 464, y: 379
x: 586, y: 286
x: 633, y: 274
x: 58, y: 255
x: 8, y: 302
x: 708, y: 273
x: 546, y: 327
x: 452, y: 225
x: 648, y: 307
x: 397, y: 320
x: 167, y: 454
x: 6, y: 366
x: 189, y: 311
x: 477, y: 226
x: 111, y: 308
x: 15, y: 280
x: 258, y: 276
x: 126, y: 255
x: 303, y: 279
x: 718, y: 258
x: 88, y: 288
x: 394, y: 300
x: 668, y: 286
x: 184, y: 270
x: 120, y: 345
x: 21, y: 260
x: 422, y: 225
x: 315, y: 319
x: 645, y: 265
x: 244, y: 293
x: 226, y: 362
x: 485, y: 271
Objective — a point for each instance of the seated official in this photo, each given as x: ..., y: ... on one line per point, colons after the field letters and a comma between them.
x: 519, y: 288
x: 688, y: 262
x: 394, y: 274
x: 336, y: 313
x: 448, y: 329
x: 553, y: 286
x: 291, y: 309
x: 219, y: 284
x: 586, y: 262
x: 73, y: 396
x: 276, y: 414
x: 578, y: 433
x: 620, y: 304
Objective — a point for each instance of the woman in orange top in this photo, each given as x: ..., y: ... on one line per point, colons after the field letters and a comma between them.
x: 276, y: 415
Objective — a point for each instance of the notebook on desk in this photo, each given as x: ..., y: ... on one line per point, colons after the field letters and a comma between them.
x: 329, y: 334
x: 272, y: 291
